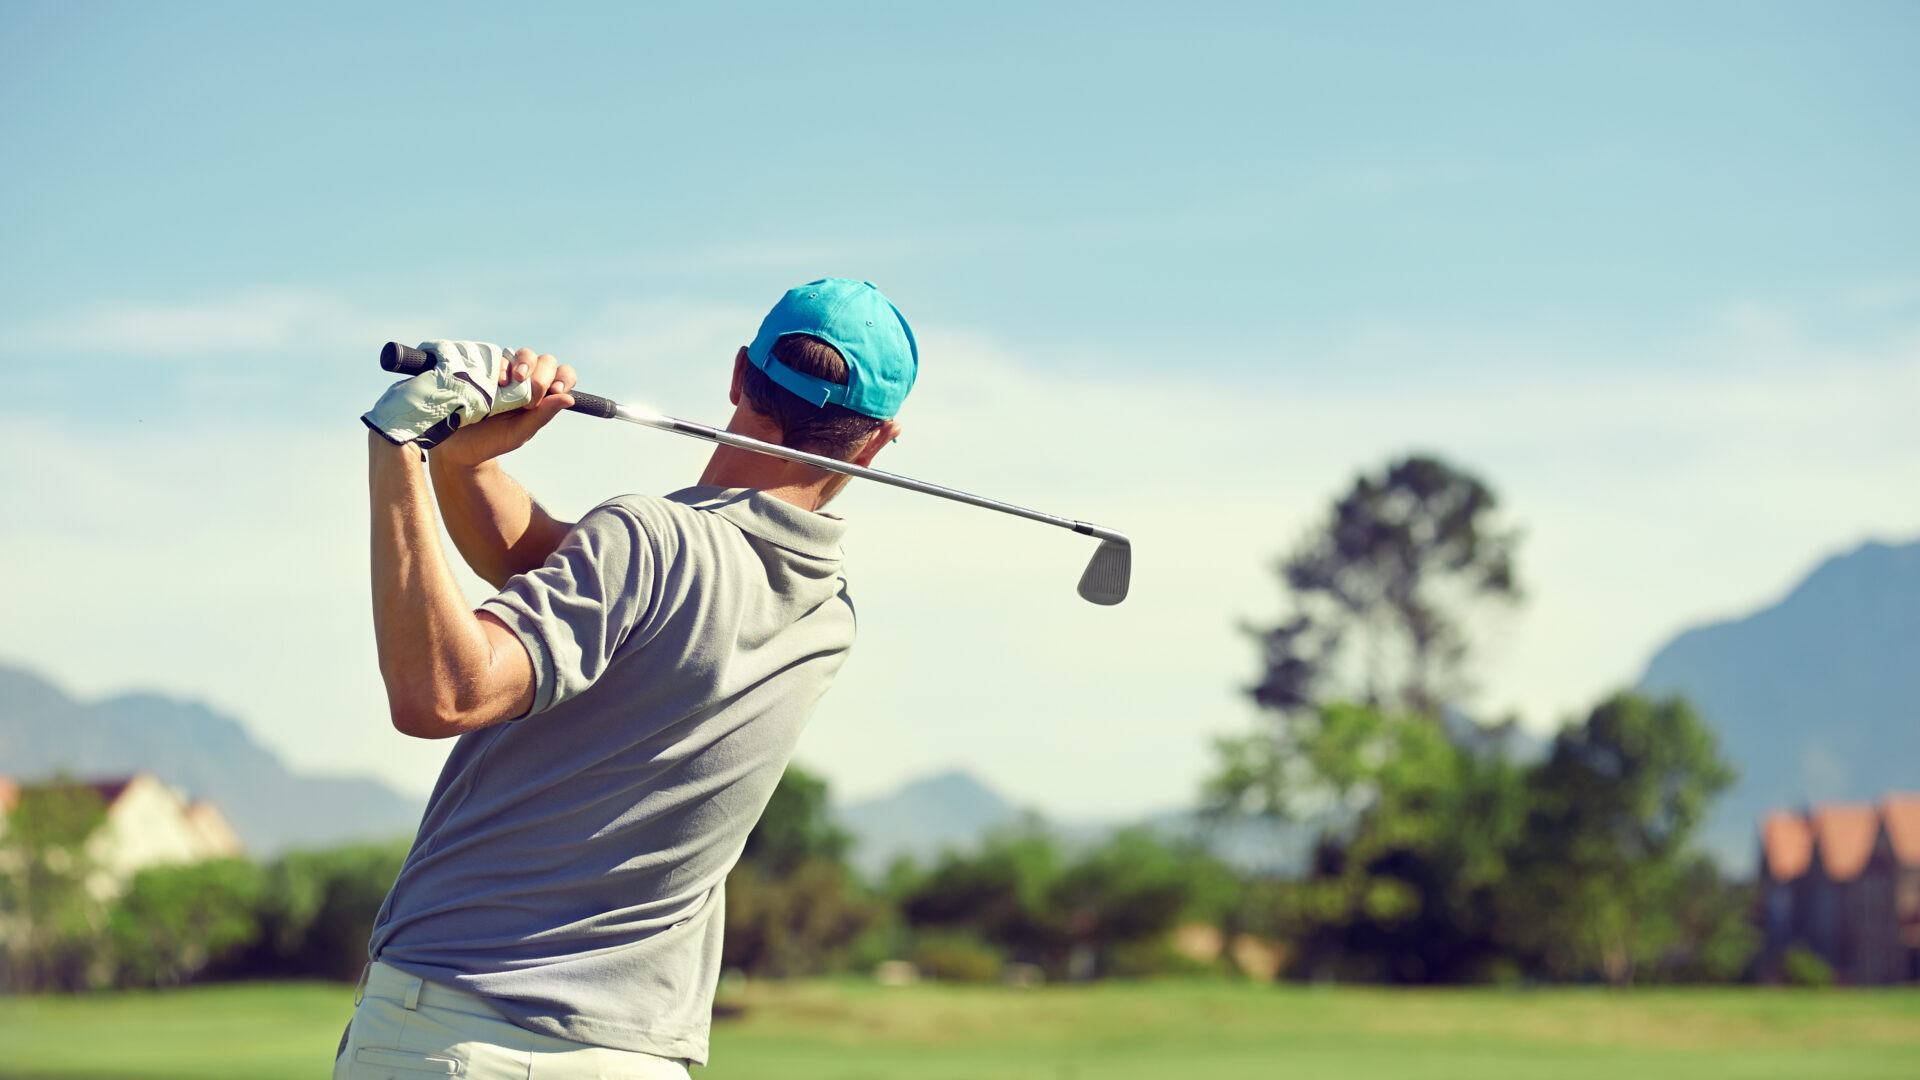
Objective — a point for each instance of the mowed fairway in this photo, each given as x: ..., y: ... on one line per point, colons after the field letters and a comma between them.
x: 1111, y: 1032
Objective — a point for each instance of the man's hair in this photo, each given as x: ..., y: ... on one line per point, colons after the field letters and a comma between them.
x: 833, y: 431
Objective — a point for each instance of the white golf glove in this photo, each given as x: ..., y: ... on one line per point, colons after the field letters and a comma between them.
x: 463, y: 388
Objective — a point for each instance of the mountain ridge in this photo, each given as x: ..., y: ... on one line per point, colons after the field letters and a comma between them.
x: 948, y: 809
x: 44, y: 733
x: 954, y: 810
x: 1815, y: 697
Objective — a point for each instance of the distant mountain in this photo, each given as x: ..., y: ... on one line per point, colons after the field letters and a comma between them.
x: 951, y: 810
x: 954, y: 810
x: 43, y: 732
x: 1814, y: 698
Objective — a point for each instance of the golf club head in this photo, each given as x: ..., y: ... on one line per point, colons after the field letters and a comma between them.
x: 1105, y: 579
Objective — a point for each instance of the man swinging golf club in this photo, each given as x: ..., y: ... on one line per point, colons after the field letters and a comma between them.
x: 624, y: 705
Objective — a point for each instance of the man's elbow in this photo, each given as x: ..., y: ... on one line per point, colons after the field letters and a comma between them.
x: 421, y: 722
x: 429, y: 715
x: 435, y: 704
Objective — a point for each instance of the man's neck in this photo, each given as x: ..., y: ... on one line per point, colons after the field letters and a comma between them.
x: 730, y: 467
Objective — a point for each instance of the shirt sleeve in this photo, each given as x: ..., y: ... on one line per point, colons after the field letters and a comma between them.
x: 574, y: 611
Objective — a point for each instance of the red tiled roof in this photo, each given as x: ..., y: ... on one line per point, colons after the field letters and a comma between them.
x: 9, y: 794
x: 1786, y: 844
x: 1844, y: 834
x: 110, y: 790
x: 1901, y: 813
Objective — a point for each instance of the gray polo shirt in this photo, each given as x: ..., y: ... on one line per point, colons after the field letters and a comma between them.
x: 570, y: 866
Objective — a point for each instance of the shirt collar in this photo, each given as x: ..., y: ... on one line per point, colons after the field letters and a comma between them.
x: 773, y: 520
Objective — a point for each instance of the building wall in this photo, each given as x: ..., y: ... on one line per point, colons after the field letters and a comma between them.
x: 149, y: 825
x: 1875, y: 943
x: 217, y: 837
x: 1827, y: 923
x: 1906, y: 907
x: 1866, y: 928
x: 1786, y: 914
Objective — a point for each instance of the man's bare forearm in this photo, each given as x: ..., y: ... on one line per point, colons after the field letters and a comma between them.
x: 444, y: 670
x: 498, y: 528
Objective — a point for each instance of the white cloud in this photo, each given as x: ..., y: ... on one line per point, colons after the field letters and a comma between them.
x: 228, y: 565
x: 1885, y: 296
x: 250, y: 322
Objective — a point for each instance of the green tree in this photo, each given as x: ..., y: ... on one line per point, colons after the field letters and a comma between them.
x: 1112, y: 905
x: 1438, y: 858
x: 1415, y: 810
x: 794, y: 906
x: 796, y: 827
x: 1404, y: 882
x: 1716, y: 939
x: 999, y: 893
x: 1119, y: 901
x: 172, y: 922
x: 804, y: 922
x: 1379, y: 595
x: 1381, y: 591
x: 317, y: 910
x: 50, y: 892
x: 1603, y: 863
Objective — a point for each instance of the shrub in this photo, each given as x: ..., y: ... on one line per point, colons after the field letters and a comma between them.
x: 1138, y: 959
x: 317, y: 911
x: 52, y: 920
x: 957, y: 958
x: 173, y: 921
x: 1803, y: 967
x: 805, y: 922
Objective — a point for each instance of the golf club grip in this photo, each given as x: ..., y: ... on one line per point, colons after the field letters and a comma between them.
x: 402, y: 360
x: 591, y: 404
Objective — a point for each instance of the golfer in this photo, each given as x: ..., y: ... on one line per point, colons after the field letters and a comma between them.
x: 623, y: 706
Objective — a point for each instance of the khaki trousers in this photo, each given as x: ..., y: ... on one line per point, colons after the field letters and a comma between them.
x: 405, y: 1028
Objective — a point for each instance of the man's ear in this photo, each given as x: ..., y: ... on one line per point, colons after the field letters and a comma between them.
x: 881, y: 436
x: 740, y: 363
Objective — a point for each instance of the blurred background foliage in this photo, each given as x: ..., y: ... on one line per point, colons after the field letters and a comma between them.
x: 305, y: 915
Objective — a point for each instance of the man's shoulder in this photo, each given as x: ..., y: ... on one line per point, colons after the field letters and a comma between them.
x: 728, y: 521
x: 668, y: 520
x: 643, y: 507
x: 677, y: 511
x: 659, y: 519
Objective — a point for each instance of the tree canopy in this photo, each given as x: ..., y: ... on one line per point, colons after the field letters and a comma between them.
x: 1605, y: 859
x: 1381, y: 590
x: 1439, y: 857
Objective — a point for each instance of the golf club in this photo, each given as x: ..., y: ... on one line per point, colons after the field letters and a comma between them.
x: 1103, y: 582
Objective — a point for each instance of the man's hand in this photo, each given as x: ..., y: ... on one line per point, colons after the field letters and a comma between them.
x: 497, y: 526
x: 540, y: 383
x: 469, y: 382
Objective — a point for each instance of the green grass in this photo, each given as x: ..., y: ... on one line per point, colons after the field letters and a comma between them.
x: 255, y: 1031
x: 1118, y: 1031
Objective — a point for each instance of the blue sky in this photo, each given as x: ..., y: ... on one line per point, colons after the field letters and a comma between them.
x: 1047, y: 173
x: 1191, y: 266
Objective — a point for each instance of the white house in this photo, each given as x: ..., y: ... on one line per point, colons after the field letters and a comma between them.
x: 147, y: 824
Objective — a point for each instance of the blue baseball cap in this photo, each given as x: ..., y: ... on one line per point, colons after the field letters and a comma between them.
x: 857, y: 319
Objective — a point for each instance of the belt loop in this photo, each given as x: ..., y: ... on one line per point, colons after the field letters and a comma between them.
x: 360, y: 988
x: 413, y: 993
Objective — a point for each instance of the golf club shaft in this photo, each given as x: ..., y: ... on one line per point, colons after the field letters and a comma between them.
x: 408, y: 361
x: 727, y: 438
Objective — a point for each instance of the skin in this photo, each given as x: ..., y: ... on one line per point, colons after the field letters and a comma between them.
x: 448, y: 669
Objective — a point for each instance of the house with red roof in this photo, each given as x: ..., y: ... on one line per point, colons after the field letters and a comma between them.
x: 1843, y: 880
x: 147, y: 824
